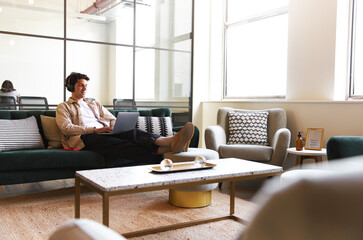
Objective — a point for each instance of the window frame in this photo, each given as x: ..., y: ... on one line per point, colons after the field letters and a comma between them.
x: 253, y: 18
x: 352, y: 44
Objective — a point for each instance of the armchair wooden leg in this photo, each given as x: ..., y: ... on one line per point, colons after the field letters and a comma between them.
x: 220, y: 185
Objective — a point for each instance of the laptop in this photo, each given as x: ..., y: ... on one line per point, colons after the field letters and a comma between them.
x: 125, y: 121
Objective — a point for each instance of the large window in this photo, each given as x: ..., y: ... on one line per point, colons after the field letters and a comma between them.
x: 140, y: 49
x: 255, y: 48
x: 356, y: 63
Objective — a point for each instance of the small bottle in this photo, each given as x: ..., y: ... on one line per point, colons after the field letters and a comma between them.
x: 299, y: 144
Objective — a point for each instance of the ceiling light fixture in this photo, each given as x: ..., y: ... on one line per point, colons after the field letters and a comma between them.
x: 89, y: 16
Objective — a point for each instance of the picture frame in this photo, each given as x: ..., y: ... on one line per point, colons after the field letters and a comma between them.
x: 314, y: 139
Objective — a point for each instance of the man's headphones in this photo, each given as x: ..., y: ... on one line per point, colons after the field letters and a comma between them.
x: 69, y: 85
x: 72, y: 79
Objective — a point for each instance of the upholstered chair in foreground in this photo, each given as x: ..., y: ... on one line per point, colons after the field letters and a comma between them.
x: 228, y: 139
x: 322, y: 205
x: 84, y: 229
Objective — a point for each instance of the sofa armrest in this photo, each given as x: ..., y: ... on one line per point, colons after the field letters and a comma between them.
x: 215, y: 136
x: 344, y: 146
x: 194, y: 142
x: 281, y: 143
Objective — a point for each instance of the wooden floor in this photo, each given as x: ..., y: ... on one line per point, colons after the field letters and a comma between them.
x: 244, y: 189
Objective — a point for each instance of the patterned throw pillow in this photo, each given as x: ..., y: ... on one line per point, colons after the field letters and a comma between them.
x: 248, y: 128
x: 19, y: 134
x: 158, y: 125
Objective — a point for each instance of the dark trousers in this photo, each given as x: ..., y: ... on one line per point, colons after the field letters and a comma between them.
x: 135, y: 145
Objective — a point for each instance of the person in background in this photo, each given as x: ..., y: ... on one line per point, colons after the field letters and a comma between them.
x: 80, y: 120
x: 7, y: 89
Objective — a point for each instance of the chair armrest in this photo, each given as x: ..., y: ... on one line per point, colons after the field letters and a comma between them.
x: 215, y: 136
x: 281, y: 143
x: 194, y: 142
x: 344, y: 146
x: 84, y: 229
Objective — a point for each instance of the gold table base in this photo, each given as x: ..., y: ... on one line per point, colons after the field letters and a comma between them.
x: 190, y: 199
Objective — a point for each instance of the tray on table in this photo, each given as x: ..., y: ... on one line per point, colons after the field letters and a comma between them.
x: 179, y: 167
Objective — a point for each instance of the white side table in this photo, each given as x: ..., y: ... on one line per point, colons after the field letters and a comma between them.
x: 305, y: 154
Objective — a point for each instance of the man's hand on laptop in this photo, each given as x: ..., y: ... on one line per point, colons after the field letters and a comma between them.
x: 102, y: 130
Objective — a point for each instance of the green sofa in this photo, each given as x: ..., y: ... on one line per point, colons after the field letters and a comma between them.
x: 339, y: 147
x: 24, y: 166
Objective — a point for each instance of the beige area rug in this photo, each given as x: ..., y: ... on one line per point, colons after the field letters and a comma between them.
x: 36, y: 216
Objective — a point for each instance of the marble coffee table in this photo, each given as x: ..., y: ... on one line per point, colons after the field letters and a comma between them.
x: 118, y: 181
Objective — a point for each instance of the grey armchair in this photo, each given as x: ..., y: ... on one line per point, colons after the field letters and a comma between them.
x: 278, y: 135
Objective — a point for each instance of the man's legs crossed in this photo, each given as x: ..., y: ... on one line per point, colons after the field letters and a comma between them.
x: 115, y: 147
x: 158, y: 144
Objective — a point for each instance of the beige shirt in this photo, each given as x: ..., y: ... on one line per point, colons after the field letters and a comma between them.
x: 69, y: 121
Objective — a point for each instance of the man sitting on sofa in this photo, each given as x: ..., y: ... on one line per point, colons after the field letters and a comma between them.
x: 80, y: 120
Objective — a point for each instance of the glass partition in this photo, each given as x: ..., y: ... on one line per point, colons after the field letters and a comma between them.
x: 33, y: 17
x: 108, y: 67
x: 160, y: 24
x: 162, y: 75
x: 33, y: 65
x: 138, y: 49
x: 111, y: 22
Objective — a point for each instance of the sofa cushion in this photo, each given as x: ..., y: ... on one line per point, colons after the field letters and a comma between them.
x: 247, y: 152
x: 248, y: 128
x: 19, y: 134
x: 158, y: 125
x: 49, y: 159
x: 5, y: 114
x: 51, y: 131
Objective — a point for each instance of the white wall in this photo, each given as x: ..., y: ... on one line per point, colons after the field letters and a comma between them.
x: 311, y: 49
x: 201, y: 57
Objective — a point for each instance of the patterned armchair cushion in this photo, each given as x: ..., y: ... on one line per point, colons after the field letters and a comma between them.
x: 248, y: 128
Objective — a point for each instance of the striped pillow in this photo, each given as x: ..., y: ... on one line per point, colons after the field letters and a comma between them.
x: 157, y: 125
x: 19, y: 134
